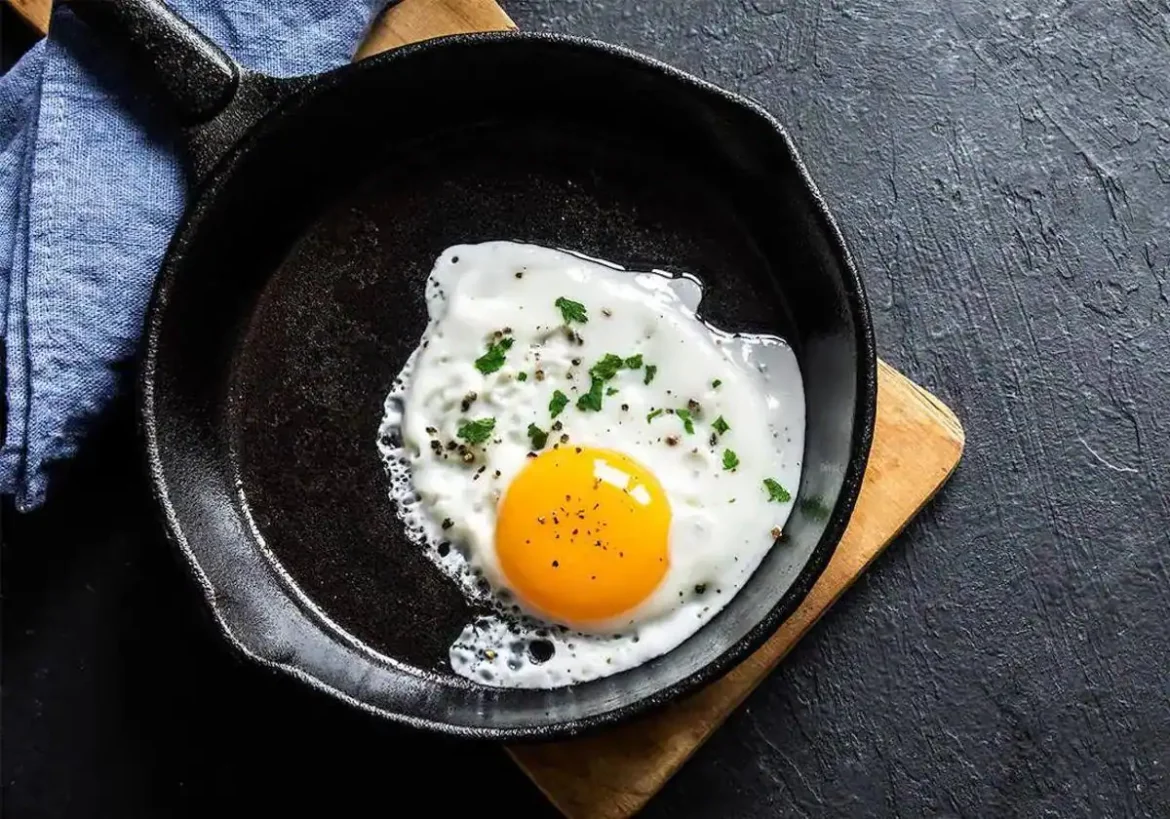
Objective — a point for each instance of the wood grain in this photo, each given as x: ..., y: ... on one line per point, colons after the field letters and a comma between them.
x: 36, y: 12
x: 414, y: 20
x: 917, y: 445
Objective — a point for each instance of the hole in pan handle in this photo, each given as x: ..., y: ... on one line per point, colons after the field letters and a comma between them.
x: 209, y: 97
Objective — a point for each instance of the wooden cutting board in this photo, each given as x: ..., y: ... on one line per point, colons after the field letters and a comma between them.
x: 611, y: 775
x: 917, y: 444
x: 36, y: 12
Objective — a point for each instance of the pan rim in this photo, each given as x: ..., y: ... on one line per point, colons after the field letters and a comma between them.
x: 864, y: 410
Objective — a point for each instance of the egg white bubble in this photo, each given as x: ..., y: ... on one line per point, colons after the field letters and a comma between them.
x: 721, y: 520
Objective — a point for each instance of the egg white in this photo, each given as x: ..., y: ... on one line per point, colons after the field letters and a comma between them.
x: 722, y: 520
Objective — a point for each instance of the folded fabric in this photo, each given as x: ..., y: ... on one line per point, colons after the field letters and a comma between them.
x: 89, y: 197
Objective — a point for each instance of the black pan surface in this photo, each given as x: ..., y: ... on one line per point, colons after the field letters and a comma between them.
x: 292, y: 295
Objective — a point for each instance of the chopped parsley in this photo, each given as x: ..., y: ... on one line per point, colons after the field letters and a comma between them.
x: 558, y: 403
x: 685, y: 417
x: 572, y: 310
x: 538, y: 436
x: 776, y: 492
x: 604, y: 370
x: 730, y: 459
x: 720, y: 425
x: 715, y: 384
x: 651, y: 371
x: 522, y: 376
x: 592, y: 399
x: 654, y: 415
x: 493, y: 359
x: 476, y: 432
x: 607, y: 367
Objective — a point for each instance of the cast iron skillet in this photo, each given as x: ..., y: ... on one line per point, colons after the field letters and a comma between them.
x: 292, y: 294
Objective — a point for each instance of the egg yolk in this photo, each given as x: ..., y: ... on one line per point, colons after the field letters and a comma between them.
x: 582, y: 534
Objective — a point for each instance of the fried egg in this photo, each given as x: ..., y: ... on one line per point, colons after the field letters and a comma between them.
x: 598, y: 469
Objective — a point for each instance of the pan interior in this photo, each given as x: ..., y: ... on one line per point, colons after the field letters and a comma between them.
x: 307, y: 298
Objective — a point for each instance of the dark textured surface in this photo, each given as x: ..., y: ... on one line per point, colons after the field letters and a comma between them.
x: 16, y: 36
x: 1002, y: 171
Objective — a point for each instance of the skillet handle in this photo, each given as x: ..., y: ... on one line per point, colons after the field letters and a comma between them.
x: 213, y: 99
x: 192, y: 76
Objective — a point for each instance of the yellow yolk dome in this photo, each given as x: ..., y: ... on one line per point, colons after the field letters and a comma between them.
x: 583, y: 534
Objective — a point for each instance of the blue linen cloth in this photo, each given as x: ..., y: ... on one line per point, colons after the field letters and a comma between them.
x: 89, y: 197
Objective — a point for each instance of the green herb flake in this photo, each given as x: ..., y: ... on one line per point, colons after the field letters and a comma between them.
x: 720, y: 425
x: 730, y: 459
x: 476, y: 432
x: 715, y: 384
x: 634, y: 362
x: 651, y: 371
x: 685, y: 417
x: 654, y: 415
x: 592, y: 399
x: 538, y: 436
x: 607, y: 367
x: 522, y: 376
x: 611, y: 391
x: 572, y: 310
x: 558, y: 403
x: 776, y: 492
x: 493, y: 359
